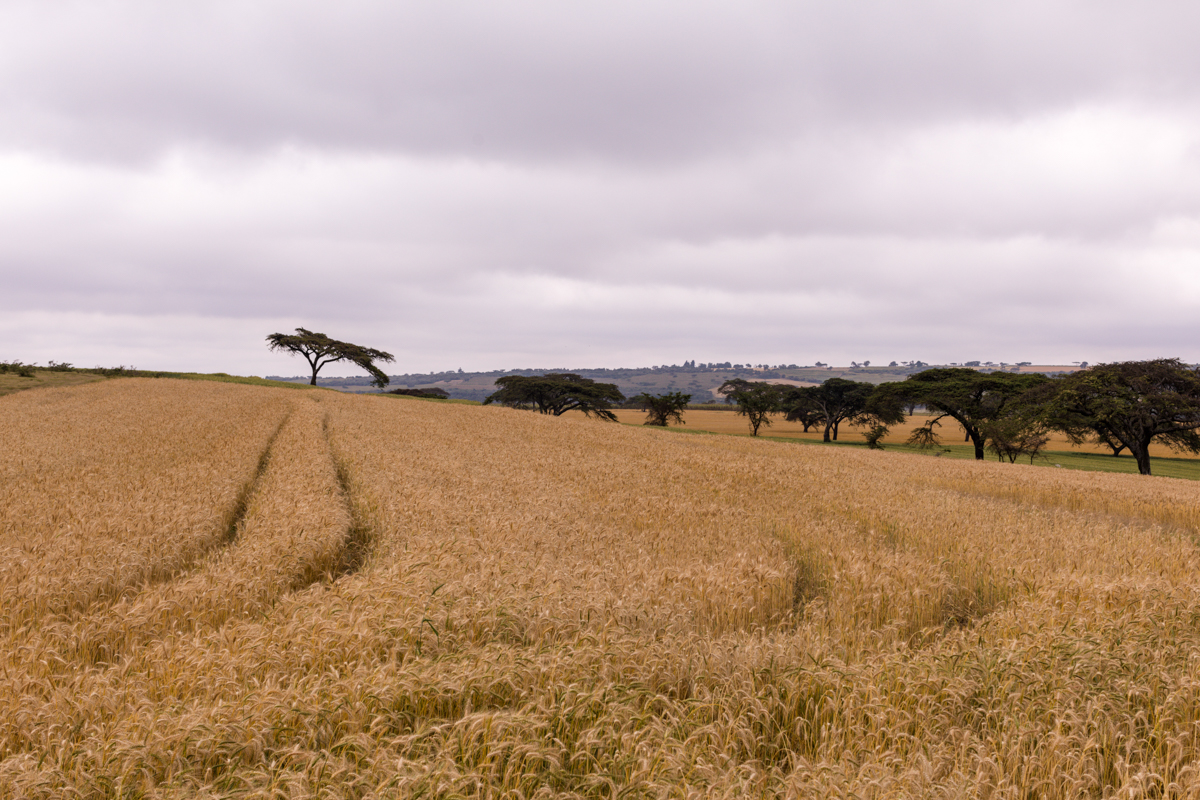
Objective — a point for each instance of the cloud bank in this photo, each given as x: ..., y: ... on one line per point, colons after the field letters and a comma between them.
x: 493, y: 186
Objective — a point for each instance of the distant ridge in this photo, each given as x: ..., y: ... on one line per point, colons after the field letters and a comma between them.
x: 700, y: 381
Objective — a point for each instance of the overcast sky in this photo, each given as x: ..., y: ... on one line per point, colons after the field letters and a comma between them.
x: 499, y: 185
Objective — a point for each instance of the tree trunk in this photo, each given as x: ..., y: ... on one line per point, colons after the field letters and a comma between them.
x: 1141, y: 451
x: 835, y: 427
x: 828, y: 425
x: 975, y: 438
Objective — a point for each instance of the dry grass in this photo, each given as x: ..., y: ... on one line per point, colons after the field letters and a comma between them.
x: 11, y: 382
x: 455, y: 600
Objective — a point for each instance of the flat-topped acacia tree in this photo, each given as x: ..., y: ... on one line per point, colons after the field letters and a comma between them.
x: 838, y: 400
x: 320, y: 350
x: 1130, y: 403
x: 969, y: 397
x: 557, y: 393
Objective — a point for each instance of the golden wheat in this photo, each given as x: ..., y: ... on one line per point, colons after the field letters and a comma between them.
x: 563, y: 608
x: 295, y: 531
x: 108, y: 485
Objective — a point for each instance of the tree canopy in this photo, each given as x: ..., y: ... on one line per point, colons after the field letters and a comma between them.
x: 1132, y: 403
x: 319, y: 350
x: 662, y: 410
x: 557, y: 393
x: 756, y: 401
x: 839, y: 400
x: 798, y: 407
x: 1019, y: 432
x: 967, y: 396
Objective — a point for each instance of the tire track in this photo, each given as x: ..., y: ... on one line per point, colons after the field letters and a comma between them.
x: 238, y: 511
x: 293, y: 528
x: 163, y: 545
x: 360, y: 536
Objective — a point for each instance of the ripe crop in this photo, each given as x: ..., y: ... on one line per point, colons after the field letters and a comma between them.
x: 110, y: 488
x: 323, y: 595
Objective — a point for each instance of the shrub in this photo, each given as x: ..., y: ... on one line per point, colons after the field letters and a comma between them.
x: 433, y: 393
x: 24, y: 370
x: 875, y: 436
x: 117, y: 372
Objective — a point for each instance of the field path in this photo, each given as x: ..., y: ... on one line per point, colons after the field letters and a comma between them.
x: 295, y: 530
x: 107, y: 486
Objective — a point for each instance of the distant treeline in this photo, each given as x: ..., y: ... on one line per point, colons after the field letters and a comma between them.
x: 27, y: 370
x: 1125, y: 405
x: 698, y: 378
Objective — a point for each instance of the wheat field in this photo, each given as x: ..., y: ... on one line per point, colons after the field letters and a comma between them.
x: 214, y: 590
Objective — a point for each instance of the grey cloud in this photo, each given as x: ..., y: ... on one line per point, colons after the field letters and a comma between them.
x: 636, y: 82
x: 366, y: 235
x: 564, y: 184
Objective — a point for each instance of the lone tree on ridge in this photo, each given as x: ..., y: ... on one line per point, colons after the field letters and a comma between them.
x: 320, y: 350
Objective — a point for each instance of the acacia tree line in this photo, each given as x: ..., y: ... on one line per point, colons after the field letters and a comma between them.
x: 827, y: 406
x: 1125, y: 405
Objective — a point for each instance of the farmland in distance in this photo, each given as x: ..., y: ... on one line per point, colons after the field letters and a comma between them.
x: 220, y: 590
x: 1059, y: 450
